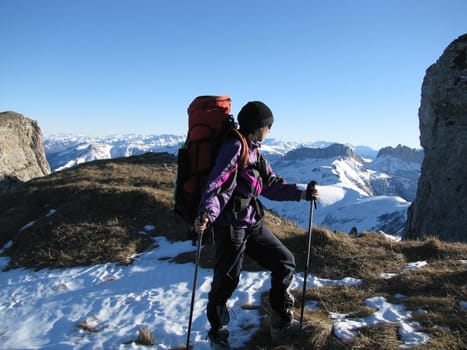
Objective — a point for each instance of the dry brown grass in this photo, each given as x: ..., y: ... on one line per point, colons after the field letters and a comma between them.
x: 86, y: 326
x: 102, y: 208
x: 144, y: 337
x: 434, y: 290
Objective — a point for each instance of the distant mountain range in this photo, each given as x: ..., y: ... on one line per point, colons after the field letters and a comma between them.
x: 359, y: 186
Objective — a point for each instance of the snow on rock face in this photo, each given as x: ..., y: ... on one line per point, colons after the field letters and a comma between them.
x: 347, y: 195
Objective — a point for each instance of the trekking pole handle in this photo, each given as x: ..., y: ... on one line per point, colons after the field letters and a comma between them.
x: 309, y: 190
x: 201, y: 224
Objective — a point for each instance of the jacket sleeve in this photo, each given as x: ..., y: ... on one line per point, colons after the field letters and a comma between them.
x: 221, y: 181
x: 275, y: 187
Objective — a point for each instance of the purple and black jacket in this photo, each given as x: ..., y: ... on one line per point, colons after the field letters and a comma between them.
x: 228, y: 180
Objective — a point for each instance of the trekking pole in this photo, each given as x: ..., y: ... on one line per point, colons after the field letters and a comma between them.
x: 193, y: 292
x: 311, y: 185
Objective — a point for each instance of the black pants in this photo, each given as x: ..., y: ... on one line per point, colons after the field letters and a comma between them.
x: 267, y: 250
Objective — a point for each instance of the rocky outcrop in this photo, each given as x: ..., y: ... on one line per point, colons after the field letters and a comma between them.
x: 22, y: 155
x: 403, y: 153
x: 440, y: 207
x: 335, y: 150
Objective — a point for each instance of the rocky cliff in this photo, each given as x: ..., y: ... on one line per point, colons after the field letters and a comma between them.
x: 402, y: 152
x: 22, y: 155
x: 334, y: 150
x: 440, y: 207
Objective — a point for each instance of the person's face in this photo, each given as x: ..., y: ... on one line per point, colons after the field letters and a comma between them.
x: 261, y: 133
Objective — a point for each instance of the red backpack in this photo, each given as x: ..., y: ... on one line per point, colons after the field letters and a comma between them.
x: 209, y: 122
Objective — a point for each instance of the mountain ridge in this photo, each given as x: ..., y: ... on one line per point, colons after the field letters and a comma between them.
x: 123, y: 145
x: 356, y: 191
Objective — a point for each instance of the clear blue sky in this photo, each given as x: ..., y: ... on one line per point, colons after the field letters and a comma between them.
x: 348, y: 71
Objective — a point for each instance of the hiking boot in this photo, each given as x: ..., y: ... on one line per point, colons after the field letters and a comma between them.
x: 283, y: 324
x: 219, y: 338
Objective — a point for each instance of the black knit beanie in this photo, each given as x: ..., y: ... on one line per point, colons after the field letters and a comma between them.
x: 254, y: 115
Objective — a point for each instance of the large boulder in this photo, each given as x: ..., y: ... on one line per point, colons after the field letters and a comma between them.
x: 22, y: 155
x: 440, y: 207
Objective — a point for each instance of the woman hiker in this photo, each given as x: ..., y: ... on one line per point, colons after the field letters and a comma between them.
x: 231, y: 207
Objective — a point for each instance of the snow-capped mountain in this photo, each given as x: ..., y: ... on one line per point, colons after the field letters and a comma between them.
x: 359, y: 187
x: 65, y: 151
x: 354, y: 191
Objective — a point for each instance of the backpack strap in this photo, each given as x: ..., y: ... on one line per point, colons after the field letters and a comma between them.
x: 243, y: 161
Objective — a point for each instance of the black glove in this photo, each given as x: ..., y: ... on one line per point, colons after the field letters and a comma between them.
x: 311, y: 192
